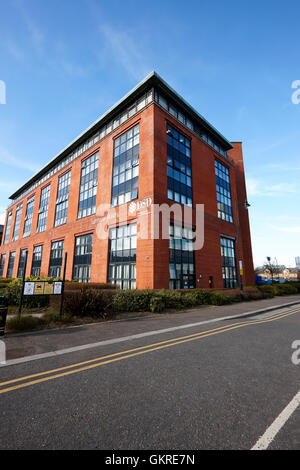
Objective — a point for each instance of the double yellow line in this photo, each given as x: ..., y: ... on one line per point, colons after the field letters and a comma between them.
x: 111, y: 358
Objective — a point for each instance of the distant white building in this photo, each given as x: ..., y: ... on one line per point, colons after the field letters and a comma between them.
x: 297, y: 262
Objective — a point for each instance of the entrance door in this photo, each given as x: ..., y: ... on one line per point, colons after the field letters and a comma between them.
x: 188, y: 281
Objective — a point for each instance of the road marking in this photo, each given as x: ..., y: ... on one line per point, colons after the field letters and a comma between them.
x: 137, y: 336
x: 265, y: 440
x: 135, y: 352
x: 199, y: 333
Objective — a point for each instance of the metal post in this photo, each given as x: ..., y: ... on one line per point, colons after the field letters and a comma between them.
x: 23, y: 284
x: 63, y: 286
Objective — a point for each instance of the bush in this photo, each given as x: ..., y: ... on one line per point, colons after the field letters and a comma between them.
x: 278, y: 289
x: 157, y: 304
x: 217, y: 298
x: 74, y: 286
x: 132, y: 301
x: 24, y: 323
x: 88, y: 301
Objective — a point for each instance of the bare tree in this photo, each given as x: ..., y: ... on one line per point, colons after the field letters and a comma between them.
x: 273, y: 267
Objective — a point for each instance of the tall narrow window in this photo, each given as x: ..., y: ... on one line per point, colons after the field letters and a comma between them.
x: 181, y: 252
x: 179, y: 167
x: 83, y: 258
x: 122, y: 256
x: 126, y: 167
x: 62, y: 200
x: 56, y: 257
x: 11, y: 262
x: 22, y: 263
x: 8, y: 226
x: 43, y: 210
x: 223, y: 192
x: 28, y: 217
x: 2, y: 263
x: 88, y: 186
x: 17, y: 222
x: 228, y: 263
x: 36, y: 261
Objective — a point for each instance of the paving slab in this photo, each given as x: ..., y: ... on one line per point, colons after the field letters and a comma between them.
x: 28, y: 344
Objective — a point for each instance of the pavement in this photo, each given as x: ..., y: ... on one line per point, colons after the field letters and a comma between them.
x: 41, y: 342
x: 226, y: 384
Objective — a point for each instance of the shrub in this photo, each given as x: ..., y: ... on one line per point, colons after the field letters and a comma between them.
x: 285, y: 289
x: 88, y: 301
x: 74, y: 286
x: 132, y: 301
x: 268, y: 291
x: 157, y: 304
x: 24, y: 323
x: 218, y: 298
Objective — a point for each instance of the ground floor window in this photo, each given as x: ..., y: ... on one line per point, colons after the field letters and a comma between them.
x: 56, y: 257
x: 11, y: 263
x: 37, y: 261
x: 22, y: 263
x: 122, y: 256
x: 182, y: 263
x: 83, y: 258
x: 2, y: 263
x: 228, y: 263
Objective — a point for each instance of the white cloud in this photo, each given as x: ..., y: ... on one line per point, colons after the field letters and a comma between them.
x: 256, y: 187
x: 6, y: 158
x: 125, y: 51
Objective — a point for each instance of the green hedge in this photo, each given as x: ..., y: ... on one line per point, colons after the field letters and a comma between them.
x: 146, y: 300
x: 272, y: 290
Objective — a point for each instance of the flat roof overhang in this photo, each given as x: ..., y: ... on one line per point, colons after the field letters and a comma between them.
x: 151, y: 80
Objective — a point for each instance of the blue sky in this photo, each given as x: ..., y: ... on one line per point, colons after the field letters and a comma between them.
x: 65, y: 62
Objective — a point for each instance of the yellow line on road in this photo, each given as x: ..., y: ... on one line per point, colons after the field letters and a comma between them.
x: 134, y: 352
x: 223, y: 328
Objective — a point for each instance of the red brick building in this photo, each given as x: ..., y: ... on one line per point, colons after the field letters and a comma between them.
x: 150, y: 148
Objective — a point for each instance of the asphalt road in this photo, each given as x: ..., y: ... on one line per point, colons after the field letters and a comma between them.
x: 212, y: 386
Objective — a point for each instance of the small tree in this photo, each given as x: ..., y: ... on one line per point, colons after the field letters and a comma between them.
x: 273, y: 268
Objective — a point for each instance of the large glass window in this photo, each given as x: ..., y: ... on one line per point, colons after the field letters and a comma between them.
x: 11, y: 262
x: 179, y: 167
x: 122, y: 256
x: 88, y: 186
x: 2, y: 263
x: 62, y: 199
x: 83, y: 258
x: 56, y: 257
x: 28, y: 217
x: 228, y: 263
x: 36, y: 261
x: 8, y: 226
x: 17, y: 222
x: 181, y: 252
x: 43, y: 210
x: 126, y: 167
x: 22, y: 263
x: 223, y: 192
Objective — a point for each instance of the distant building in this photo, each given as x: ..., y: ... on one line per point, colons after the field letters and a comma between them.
x: 297, y: 262
x: 1, y: 232
x: 290, y: 274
